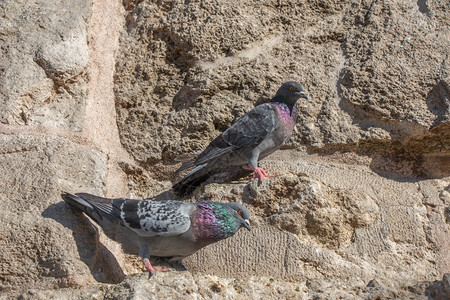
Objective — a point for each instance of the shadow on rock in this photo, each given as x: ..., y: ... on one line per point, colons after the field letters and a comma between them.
x: 437, y: 102
x: 102, y: 264
x: 410, y: 160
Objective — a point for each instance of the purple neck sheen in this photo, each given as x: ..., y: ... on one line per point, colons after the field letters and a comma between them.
x: 212, y: 222
x: 205, y: 223
x: 286, y: 115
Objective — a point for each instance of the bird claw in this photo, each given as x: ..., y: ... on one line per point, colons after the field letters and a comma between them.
x: 163, y: 270
x: 152, y: 270
x: 151, y: 273
x: 261, y: 173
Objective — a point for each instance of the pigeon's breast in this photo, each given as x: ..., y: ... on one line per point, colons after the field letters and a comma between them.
x: 287, y: 119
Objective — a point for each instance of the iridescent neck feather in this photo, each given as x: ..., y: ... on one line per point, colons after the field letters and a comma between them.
x: 214, y: 221
x: 286, y: 115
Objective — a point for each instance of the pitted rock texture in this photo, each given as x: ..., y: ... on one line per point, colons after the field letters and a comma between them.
x: 356, y: 222
x: 43, y: 62
x: 39, y: 247
x: 366, y: 66
x: 107, y: 96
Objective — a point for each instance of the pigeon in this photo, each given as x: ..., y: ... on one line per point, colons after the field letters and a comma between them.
x: 255, y: 135
x: 171, y: 229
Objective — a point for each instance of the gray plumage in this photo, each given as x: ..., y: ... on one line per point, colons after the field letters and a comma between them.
x: 170, y: 228
x: 252, y: 137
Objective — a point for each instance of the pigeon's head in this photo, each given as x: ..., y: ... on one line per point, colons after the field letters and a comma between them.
x: 289, y: 93
x: 241, y: 214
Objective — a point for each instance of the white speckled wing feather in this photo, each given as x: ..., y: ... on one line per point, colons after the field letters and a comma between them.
x: 154, y: 218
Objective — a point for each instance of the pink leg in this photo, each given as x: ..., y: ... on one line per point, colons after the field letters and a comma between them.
x: 259, y: 173
x: 152, y: 270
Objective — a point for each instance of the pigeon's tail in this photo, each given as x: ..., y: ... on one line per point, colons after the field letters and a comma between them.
x: 193, y: 179
x: 97, y: 208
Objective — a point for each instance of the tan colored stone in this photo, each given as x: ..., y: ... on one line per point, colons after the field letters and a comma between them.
x: 43, y: 243
x: 104, y: 96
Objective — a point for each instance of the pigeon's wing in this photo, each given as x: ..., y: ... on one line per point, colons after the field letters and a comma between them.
x: 216, y: 148
x: 146, y: 218
x: 153, y: 218
x: 249, y: 130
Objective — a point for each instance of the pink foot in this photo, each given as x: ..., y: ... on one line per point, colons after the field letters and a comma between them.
x: 260, y: 173
x: 151, y: 270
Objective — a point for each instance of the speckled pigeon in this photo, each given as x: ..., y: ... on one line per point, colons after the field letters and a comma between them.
x: 169, y: 228
x: 252, y: 137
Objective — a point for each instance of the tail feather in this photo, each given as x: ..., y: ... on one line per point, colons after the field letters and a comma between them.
x: 95, y: 207
x: 186, y: 165
x: 193, y: 179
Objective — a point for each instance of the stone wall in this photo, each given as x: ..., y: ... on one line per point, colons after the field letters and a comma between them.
x: 107, y: 96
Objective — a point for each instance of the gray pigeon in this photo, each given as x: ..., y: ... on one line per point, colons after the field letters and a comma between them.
x: 169, y: 228
x: 252, y: 137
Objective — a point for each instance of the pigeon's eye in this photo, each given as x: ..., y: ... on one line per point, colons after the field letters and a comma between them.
x: 291, y: 88
x: 239, y: 212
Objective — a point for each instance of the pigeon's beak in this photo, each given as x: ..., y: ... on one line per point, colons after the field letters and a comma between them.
x: 247, y: 225
x: 302, y: 95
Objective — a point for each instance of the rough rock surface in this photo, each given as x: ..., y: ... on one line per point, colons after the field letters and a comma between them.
x: 43, y: 62
x: 106, y: 96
